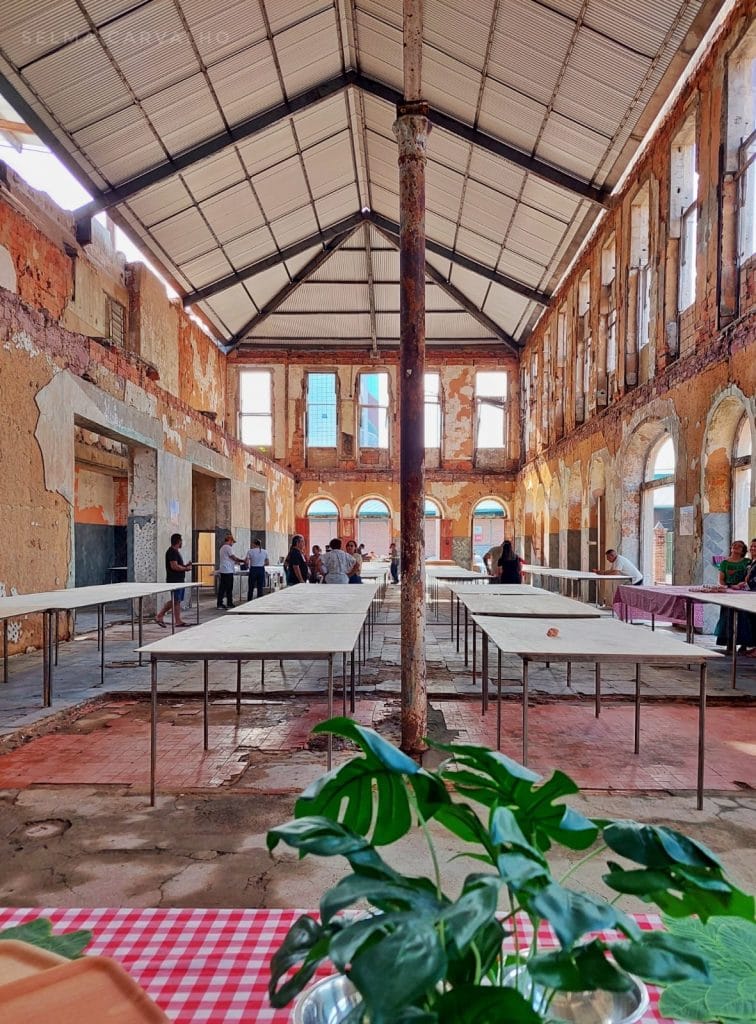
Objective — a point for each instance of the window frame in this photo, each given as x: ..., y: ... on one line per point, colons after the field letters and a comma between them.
x: 365, y: 405
x: 746, y: 189
x: 434, y: 403
x: 485, y: 399
x: 317, y: 405
x: 250, y: 417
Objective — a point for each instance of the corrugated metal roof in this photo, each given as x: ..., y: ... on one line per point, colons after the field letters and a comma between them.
x: 564, y: 81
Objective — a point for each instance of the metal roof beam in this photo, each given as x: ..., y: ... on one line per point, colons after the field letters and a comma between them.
x: 440, y: 119
x: 308, y: 98
x: 209, y: 147
x: 390, y: 227
x: 459, y: 296
x: 288, y: 289
x: 288, y: 251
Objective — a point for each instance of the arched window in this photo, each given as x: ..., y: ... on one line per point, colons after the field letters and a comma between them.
x: 658, y: 512
x: 741, y: 480
x: 432, y: 525
x: 323, y: 518
x: 374, y: 526
x: 488, y: 526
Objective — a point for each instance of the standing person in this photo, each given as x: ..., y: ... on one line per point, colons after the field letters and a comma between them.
x: 336, y: 564
x: 732, y: 571
x: 226, y: 562
x: 175, y: 570
x: 394, y: 563
x: 257, y: 559
x: 491, y: 561
x: 313, y: 564
x: 295, y: 563
x: 355, y: 576
x: 621, y: 566
x: 510, y: 564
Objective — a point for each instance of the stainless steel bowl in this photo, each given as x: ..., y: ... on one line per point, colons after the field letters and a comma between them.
x: 326, y: 1002
x: 597, y: 1007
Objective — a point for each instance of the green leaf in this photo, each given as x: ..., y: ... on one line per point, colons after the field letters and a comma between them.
x: 474, y: 909
x: 393, y: 895
x: 728, y: 944
x: 306, y: 943
x: 319, y: 835
x: 397, y: 969
x: 505, y: 830
x: 484, y: 1004
x: 371, y: 743
x: 462, y: 821
x: 39, y: 933
x: 518, y: 870
x: 656, y: 846
x: 661, y: 958
x: 572, y: 914
x: 583, y: 969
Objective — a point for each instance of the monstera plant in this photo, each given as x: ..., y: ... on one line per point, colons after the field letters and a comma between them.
x: 419, y: 955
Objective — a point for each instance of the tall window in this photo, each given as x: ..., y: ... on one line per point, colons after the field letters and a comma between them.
x: 321, y: 410
x: 683, y: 214
x: 323, y: 522
x: 374, y: 526
x: 562, y: 348
x: 607, y: 383
x: 374, y: 432
x: 639, y: 279
x: 583, y: 347
x: 433, y: 410
x: 658, y: 512
x: 491, y: 409
x: 741, y: 480
x: 255, y: 410
x: 741, y: 116
x: 488, y: 527
x: 432, y: 529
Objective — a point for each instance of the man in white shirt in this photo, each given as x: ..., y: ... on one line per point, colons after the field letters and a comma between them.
x: 621, y: 566
x: 226, y: 562
x: 257, y: 559
x: 335, y: 564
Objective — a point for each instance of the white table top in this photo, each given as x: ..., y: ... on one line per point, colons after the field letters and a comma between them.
x: 571, y: 574
x: 742, y: 600
x: 502, y: 589
x: 540, y: 606
x: 452, y: 572
x: 272, y: 636
x: 603, y: 640
x: 82, y: 597
x: 315, y: 600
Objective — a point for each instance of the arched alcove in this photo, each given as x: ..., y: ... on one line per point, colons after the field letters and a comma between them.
x: 374, y: 526
x: 322, y: 521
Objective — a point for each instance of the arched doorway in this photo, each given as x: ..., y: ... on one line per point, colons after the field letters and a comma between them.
x: 374, y: 526
x: 432, y: 528
x: 323, y: 522
x: 742, y: 469
x: 489, y: 527
x: 658, y: 512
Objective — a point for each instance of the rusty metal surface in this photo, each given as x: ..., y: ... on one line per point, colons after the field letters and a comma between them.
x: 411, y: 130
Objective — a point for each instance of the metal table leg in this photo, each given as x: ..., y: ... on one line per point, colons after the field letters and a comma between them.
x: 525, y: 711
x: 46, y: 666
x: 153, y: 728
x: 734, y: 647
x: 467, y: 661
x: 598, y: 689
x: 140, y: 603
x: 351, y: 682
x: 474, y: 654
x: 457, y: 625
x: 498, y: 701
x: 484, y: 671
x: 5, y: 650
x: 205, y: 705
x: 238, y: 687
x: 102, y: 645
x: 329, y: 745
x: 701, y: 735
x: 636, y: 748
x: 343, y: 683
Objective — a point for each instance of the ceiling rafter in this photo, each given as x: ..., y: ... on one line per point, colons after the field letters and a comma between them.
x: 454, y: 293
x: 391, y: 227
x: 317, y: 94
x: 291, y: 286
x: 275, y: 258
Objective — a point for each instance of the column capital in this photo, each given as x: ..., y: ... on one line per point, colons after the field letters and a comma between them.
x: 412, y: 128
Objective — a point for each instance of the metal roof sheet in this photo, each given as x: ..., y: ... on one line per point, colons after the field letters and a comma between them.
x: 140, y: 84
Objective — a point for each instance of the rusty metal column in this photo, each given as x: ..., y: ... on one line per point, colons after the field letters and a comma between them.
x: 411, y: 129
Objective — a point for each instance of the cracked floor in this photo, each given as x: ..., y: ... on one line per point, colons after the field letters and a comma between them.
x: 77, y: 829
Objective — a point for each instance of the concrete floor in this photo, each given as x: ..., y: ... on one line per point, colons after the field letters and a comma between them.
x: 73, y: 835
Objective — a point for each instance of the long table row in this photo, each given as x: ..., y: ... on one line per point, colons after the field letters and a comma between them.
x: 289, y: 625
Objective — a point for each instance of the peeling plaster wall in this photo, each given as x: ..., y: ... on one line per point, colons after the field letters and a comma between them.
x: 54, y: 381
x: 679, y: 389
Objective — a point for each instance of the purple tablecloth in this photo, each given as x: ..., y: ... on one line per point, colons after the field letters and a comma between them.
x: 666, y: 603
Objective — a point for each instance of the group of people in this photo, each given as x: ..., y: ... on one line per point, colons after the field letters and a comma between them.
x: 509, y: 565
x: 739, y: 573
x: 337, y: 564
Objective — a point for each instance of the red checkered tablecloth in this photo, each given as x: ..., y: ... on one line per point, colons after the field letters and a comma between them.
x: 208, y: 965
